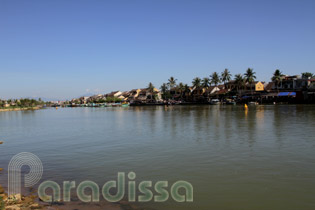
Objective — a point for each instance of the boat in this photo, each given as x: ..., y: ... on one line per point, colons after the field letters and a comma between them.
x: 125, y: 104
x: 215, y: 102
x: 253, y: 103
x: 230, y: 102
x: 116, y: 104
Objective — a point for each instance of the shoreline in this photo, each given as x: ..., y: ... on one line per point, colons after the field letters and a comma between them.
x: 19, y: 109
x: 31, y: 201
x: 184, y: 104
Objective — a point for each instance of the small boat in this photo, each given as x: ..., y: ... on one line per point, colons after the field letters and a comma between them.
x: 125, y: 105
x: 230, y: 102
x: 215, y: 102
x: 253, y: 103
x: 116, y: 104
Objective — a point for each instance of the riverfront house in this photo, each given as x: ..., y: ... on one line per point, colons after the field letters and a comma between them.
x: 283, y: 88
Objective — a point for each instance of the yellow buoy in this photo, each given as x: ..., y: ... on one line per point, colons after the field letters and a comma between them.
x: 245, y: 106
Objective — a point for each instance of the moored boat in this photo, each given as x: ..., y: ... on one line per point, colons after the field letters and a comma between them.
x: 253, y: 103
x: 215, y: 102
x: 125, y: 104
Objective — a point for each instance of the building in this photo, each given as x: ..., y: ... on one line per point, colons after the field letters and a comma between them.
x: 146, y: 96
x: 259, y: 86
x: 255, y: 86
x: 133, y: 95
x: 211, y: 92
x: 295, y: 82
x: 115, y: 94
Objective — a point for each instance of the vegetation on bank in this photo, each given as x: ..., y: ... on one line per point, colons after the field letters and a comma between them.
x: 98, y: 100
x: 223, y: 85
x: 217, y: 85
x: 215, y: 79
x: 24, y: 103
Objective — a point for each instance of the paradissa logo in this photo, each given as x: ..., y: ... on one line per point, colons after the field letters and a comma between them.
x: 180, y: 191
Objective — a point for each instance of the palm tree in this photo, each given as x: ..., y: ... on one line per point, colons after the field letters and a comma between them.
x: 164, y: 90
x: 186, y: 89
x: 196, y: 85
x: 215, y: 79
x: 172, y: 83
x: 196, y: 82
x: 307, y: 75
x: 239, y: 81
x: 226, y: 76
x: 250, y: 77
x: 151, y: 89
x: 181, y: 89
x: 277, y: 78
x: 205, y: 82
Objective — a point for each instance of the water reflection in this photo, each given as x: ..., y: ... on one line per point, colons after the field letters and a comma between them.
x: 240, y: 159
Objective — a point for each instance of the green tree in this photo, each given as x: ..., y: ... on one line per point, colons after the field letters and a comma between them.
x: 215, y: 79
x: 277, y: 78
x: 186, y: 90
x: 164, y: 90
x: 196, y: 82
x: 205, y: 82
x: 250, y: 77
x: 307, y: 75
x: 239, y: 81
x: 151, y: 89
x: 226, y: 76
x: 181, y: 88
x: 172, y: 83
x: 113, y: 99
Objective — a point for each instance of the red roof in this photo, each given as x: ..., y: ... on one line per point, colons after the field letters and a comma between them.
x: 223, y: 91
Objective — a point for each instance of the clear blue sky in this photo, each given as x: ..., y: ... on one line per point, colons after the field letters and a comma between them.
x: 67, y: 48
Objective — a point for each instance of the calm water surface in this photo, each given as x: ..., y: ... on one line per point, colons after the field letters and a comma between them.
x: 236, y: 160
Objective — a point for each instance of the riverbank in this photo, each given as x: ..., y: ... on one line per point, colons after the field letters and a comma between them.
x: 20, y: 202
x: 30, y: 202
x: 18, y: 109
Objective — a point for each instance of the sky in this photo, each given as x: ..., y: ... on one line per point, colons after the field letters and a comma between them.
x: 61, y: 49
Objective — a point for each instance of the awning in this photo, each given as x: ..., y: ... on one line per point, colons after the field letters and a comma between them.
x: 284, y: 94
x: 287, y: 94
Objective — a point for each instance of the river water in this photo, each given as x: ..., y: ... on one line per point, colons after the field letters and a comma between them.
x: 263, y: 158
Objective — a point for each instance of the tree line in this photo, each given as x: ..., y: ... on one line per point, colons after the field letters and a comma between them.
x: 239, y: 80
x: 214, y: 79
x: 24, y: 102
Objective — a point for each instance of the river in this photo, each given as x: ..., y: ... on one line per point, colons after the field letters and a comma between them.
x: 263, y: 158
